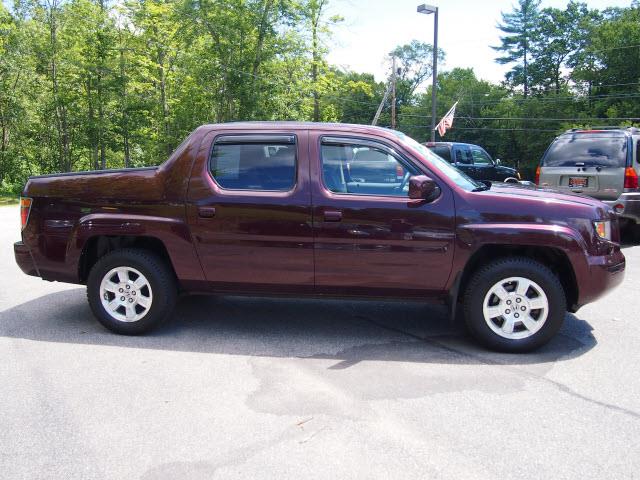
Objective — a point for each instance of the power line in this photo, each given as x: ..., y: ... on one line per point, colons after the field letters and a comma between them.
x: 489, y: 129
x: 607, y: 85
x: 324, y: 95
x: 612, y: 48
x: 555, y: 99
x: 528, y: 119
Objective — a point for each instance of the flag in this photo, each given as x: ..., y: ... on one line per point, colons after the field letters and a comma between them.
x: 447, y: 121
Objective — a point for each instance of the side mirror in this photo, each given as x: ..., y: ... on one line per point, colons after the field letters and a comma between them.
x: 498, y: 161
x: 422, y: 187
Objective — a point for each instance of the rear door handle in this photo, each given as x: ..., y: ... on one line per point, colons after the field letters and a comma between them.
x: 207, y: 212
x: 332, y: 215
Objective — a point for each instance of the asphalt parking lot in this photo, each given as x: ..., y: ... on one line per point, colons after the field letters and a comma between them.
x: 264, y: 388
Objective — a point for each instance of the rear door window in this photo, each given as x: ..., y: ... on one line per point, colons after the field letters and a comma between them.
x: 254, y: 162
x: 607, y: 149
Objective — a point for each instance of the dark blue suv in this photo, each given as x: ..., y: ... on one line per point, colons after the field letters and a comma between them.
x: 474, y: 161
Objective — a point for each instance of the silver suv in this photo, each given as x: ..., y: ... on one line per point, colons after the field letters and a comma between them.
x: 602, y: 163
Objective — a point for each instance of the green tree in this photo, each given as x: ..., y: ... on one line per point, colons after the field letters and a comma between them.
x: 415, y: 63
x: 610, y: 63
x: 560, y: 36
x: 520, y: 28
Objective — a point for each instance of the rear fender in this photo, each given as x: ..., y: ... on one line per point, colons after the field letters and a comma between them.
x: 172, y: 232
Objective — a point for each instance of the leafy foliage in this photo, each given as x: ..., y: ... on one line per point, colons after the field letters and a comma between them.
x: 96, y: 84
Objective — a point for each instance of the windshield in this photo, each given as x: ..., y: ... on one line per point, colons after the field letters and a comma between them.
x: 593, y: 150
x: 444, y: 167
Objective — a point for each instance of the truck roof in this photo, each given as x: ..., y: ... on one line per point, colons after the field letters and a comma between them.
x: 267, y: 125
x: 438, y: 144
x: 601, y: 129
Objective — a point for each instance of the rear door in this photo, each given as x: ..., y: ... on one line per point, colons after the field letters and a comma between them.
x: 592, y: 163
x: 249, y: 211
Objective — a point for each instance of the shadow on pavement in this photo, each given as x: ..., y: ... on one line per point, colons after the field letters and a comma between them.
x: 345, y: 331
x: 629, y: 238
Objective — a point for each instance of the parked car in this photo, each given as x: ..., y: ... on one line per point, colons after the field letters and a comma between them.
x: 474, y: 161
x: 273, y: 209
x: 603, y: 163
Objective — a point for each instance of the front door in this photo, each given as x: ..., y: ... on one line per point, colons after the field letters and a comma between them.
x: 250, y: 213
x: 370, y: 238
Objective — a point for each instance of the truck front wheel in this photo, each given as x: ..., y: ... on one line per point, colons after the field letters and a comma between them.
x: 131, y: 291
x: 514, y: 305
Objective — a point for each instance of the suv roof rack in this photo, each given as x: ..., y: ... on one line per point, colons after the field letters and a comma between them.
x: 633, y: 130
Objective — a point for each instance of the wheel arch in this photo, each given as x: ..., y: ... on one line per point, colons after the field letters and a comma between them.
x: 98, y: 246
x: 552, y: 257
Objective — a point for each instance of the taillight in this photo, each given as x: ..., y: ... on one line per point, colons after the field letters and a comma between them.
x: 538, y: 175
x: 630, y: 178
x: 25, y: 209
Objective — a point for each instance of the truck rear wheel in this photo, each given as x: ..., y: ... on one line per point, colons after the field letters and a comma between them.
x: 514, y: 305
x: 131, y: 291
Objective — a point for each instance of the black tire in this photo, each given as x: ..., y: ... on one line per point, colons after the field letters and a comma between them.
x: 161, y: 283
x: 487, y: 276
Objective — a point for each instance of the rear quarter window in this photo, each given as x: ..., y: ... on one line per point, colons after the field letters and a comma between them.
x: 442, y: 152
x: 592, y: 149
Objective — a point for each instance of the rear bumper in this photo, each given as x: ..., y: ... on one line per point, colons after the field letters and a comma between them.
x: 605, y: 273
x: 630, y: 202
x: 24, y: 259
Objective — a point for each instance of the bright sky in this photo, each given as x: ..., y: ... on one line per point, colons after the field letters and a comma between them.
x: 466, y: 32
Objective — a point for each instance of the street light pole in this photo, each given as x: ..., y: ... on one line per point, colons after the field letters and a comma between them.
x: 428, y: 9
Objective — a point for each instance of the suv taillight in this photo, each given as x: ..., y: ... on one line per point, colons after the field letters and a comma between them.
x: 538, y: 175
x: 630, y: 178
x: 25, y: 209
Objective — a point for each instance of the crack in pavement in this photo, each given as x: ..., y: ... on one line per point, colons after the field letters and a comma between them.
x: 560, y: 386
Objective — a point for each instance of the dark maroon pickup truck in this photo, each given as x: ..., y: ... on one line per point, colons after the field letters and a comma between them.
x: 322, y: 210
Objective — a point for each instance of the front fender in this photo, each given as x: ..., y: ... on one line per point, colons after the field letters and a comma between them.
x: 470, y: 238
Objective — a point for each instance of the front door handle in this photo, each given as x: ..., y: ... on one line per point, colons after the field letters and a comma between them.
x: 207, y: 212
x: 332, y: 215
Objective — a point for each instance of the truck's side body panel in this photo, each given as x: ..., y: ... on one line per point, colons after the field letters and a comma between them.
x: 282, y: 242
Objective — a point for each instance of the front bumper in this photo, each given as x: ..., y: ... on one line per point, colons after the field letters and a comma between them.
x: 630, y: 202
x: 604, y: 273
x: 24, y: 259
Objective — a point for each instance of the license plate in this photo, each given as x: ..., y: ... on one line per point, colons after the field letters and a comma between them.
x: 578, y: 182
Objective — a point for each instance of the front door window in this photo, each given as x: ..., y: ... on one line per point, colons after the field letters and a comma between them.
x: 362, y: 169
x: 480, y: 157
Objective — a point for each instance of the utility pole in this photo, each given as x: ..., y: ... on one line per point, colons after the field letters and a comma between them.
x: 393, y: 93
x: 381, y: 106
